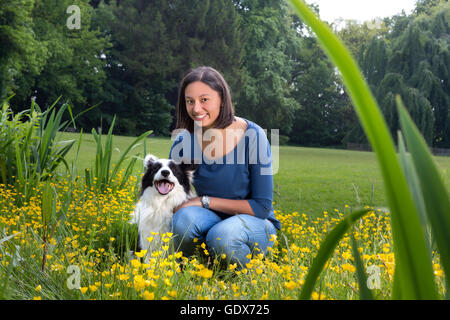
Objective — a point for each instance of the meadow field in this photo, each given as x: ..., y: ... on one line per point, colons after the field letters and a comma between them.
x: 83, y: 254
x: 309, y: 180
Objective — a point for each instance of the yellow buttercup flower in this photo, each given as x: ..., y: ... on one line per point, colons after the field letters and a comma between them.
x: 291, y: 285
x: 232, y: 266
x: 83, y: 290
x: 141, y: 253
x: 149, y: 295
x: 172, y: 293
x: 346, y: 255
x: 348, y: 267
x: 124, y: 277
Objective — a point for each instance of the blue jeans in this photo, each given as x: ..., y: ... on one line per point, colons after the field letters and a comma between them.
x: 235, y: 236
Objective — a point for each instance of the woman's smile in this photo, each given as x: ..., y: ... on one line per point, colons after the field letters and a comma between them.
x: 199, y: 117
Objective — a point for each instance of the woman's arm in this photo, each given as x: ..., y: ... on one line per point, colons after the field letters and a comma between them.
x: 227, y: 206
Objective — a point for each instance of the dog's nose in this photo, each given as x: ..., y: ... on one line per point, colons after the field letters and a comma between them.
x: 165, y: 173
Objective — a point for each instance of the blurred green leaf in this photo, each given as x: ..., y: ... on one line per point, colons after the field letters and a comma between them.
x: 433, y: 189
x: 364, y: 291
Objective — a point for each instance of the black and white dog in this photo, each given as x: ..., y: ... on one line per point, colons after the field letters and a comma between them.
x: 164, y: 186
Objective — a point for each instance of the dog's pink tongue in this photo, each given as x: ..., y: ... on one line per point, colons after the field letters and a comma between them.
x: 164, y: 187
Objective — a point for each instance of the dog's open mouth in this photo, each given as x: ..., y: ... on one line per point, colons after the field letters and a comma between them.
x: 164, y: 186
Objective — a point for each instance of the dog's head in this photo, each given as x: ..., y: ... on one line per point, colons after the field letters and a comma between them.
x: 165, y: 175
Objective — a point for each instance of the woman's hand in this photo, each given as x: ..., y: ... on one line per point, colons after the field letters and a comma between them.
x: 226, y: 206
x: 191, y: 202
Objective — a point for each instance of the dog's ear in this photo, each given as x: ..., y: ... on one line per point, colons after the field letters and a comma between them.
x: 149, y: 160
x: 189, y: 169
x: 188, y: 166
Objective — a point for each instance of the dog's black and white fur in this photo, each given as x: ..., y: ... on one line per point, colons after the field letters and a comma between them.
x: 164, y: 186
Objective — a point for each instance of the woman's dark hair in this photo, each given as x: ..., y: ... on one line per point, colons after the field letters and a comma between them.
x: 215, y: 80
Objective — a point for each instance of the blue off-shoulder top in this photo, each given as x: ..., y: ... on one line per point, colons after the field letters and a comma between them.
x: 243, y: 173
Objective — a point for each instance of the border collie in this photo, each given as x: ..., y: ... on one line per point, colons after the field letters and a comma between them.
x: 164, y: 186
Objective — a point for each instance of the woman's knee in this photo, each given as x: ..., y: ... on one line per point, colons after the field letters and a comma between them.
x: 225, y: 233
x: 239, y: 236
x: 193, y: 222
x: 183, y: 222
x: 230, y: 239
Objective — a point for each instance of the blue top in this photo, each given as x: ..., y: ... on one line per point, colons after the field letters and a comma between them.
x: 243, y: 173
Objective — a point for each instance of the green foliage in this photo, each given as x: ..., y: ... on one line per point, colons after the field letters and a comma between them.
x: 358, y: 36
x: 105, y: 173
x: 72, y: 65
x: 168, y: 38
x: 413, y: 277
x: 412, y: 61
x: 29, y: 150
x: 271, y: 41
x: 321, y: 119
x: 129, y: 56
x: 20, y: 51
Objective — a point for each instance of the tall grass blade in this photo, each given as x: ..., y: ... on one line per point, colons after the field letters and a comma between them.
x: 411, y: 254
x: 77, y: 152
x: 48, y: 203
x: 435, y: 194
x: 133, y: 145
x: 106, y: 165
x: 364, y: 291
x: 326, y: 250
x: 4, y: 239
x: 3, y: 170
x: 83, y: 112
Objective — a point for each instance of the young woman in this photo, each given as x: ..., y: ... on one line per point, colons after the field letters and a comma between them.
x: 233, y: 212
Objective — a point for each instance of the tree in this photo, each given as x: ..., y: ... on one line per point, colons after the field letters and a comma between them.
x: 270, y: 42
x: 418, y: 106
x: 73, y: 68
x: 155, y: 43
x: 427, y: 6
x: 420, y: 54
x: 20, y: 51
x: 413, y: 61
x: 357, y: 36
x: 320, y: 121
x: 374, y: 60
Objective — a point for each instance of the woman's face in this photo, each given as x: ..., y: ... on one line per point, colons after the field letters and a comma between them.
x: 202, y: 103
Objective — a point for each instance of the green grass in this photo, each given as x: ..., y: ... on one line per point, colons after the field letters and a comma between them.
x: 309, y: 180
x: 155, y: 145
